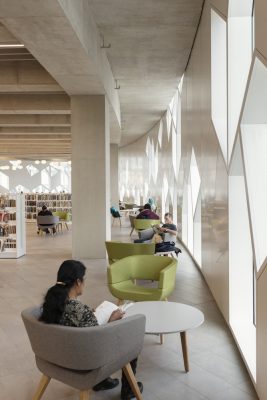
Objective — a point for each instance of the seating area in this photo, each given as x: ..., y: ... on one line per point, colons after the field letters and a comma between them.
x: 119, y: 250
x: 115, y: 215
x: 47, y: 223
x: 64, y: 219
x: 140, y: 224
x: 133, y: 191
x: 94, y: 354
x: 158, y: 367
x: 123, y: 275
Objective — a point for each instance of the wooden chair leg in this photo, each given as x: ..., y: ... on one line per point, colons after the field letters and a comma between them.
x: 127, y: 369
x: 84, y: 395
x: 132, y: 231
x: 161, y: 336
x: 41, y: 387
x: 184, y: 349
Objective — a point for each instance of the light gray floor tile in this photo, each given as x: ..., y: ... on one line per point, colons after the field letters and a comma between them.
x: 232, y: 394
x: 216, y: 368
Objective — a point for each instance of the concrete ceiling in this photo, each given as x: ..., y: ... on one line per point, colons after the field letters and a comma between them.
x: 150, y: 45
x: 34, y: 109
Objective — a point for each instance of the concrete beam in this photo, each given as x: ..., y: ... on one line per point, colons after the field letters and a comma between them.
x: 15, y: 138
x: 34, y: 104
x: 35, y: 120
x: 35, y: 130
x: 26, y: 76
x: 63, y: 36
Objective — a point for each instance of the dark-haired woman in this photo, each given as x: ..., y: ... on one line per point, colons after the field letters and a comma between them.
x: 62, y: 307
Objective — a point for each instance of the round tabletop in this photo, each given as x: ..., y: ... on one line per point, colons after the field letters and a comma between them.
x: 167, y: 317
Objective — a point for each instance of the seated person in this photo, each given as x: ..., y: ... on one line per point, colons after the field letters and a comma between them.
x: 61, y: 306
x: 45, y: 211
x: 152, y: 204
x: 146, y: 213
x: 163, y: 236
x: 169, y: 229
x: 168, y: 232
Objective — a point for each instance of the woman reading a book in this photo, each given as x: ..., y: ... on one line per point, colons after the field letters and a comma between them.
x: 61, y: 306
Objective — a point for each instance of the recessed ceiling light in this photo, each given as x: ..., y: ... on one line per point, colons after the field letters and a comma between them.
x: 11, y: 45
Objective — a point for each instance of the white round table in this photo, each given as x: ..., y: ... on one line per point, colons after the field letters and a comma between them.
x: 164, y: 317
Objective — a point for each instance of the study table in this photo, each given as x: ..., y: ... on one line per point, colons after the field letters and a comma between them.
x: 164, y: 317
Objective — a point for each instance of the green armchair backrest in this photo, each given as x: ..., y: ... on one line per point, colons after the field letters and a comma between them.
x: 63, y: 215
x: 122, y: 273
x: 145, y: 223
x: 119, y: 250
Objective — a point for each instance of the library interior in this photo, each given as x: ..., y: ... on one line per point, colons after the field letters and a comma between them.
x: 133, y: 180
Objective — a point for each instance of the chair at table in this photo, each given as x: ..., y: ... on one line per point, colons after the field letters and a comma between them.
x: 45, y: 222
x: 122, y: 276
x: 119, y: 250
x: 115, y: 214
x: 64, y: 217
x: 141, y: 224
x: 83, y: 357
x: 132, y: 219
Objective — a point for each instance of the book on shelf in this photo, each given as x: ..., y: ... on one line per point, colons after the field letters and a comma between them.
x: 106, y: 308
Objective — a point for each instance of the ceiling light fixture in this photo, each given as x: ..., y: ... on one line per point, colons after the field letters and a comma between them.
x: 43, y: 161
x: 11, y: 45
x: 37, y: 162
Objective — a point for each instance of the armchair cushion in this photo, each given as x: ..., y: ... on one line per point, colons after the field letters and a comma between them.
x: 119, y: 250
x: 122, y: 273
x: 82, y: 357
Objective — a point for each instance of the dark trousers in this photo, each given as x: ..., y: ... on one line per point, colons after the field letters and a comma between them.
x: 124, y: 383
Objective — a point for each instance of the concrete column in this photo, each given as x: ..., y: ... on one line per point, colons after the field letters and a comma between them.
x: 114, y: 175
x: 90, y: 176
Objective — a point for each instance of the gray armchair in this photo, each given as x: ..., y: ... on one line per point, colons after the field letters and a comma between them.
x: 83, y: 357
x: 45, y: 222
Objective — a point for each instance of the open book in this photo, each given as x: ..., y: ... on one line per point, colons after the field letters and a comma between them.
x: 157, y: 228
x: 105, y: 309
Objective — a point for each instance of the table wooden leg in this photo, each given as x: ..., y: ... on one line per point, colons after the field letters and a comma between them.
x: 184, y: 348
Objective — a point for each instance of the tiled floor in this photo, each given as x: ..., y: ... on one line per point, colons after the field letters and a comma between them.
x: 216, y: 369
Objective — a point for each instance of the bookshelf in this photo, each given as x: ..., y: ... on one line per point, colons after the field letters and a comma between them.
x: 12, y: 226
x: 54, y: 202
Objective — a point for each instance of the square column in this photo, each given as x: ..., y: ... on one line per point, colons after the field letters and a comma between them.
x: 90, y: 176
x: 114, y: 175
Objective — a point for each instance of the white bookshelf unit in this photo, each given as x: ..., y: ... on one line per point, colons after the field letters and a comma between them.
x: 53, y: 201
x: 12, y: 226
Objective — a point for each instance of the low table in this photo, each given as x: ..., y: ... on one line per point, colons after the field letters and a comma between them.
x: 163, y: 317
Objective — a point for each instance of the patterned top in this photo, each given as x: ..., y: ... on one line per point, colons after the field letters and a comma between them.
x: 78, y: 314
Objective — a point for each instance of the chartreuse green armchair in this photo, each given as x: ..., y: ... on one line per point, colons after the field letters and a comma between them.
x: 140, y: 224
x: 122, y: 276
x: 64, y: 216
x: 119, y: 250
